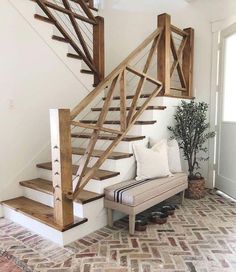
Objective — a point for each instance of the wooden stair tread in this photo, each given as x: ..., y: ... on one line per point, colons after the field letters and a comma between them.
x: 126, y: 138
x: 128, y: 108
x: 46, y: 187
x: 179, y: 96
x: 73, y: 56
x: 99, y: 174
x: 43, y: 18
x: 41, y: 185
x: 117, y: 122
x: 129, y: 96
x: 39, y: 212
x: 147, y: 95
x: 59, y: 39
x: 99, y: 153
x: 84, y: 71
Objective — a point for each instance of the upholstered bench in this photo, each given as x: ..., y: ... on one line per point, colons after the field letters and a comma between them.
x: 132, y: 197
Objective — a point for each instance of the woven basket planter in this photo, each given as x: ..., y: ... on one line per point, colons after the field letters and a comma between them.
x: 196, y: 189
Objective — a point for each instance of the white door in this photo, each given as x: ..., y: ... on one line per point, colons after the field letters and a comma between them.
x: 226, y: 134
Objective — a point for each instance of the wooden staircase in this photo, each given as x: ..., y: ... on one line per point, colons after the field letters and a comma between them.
x: 91, y: 146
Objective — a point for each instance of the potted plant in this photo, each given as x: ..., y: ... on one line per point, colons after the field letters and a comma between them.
x: 191, y: 132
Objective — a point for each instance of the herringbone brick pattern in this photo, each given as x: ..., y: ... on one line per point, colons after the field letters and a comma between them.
x: 200, y: 237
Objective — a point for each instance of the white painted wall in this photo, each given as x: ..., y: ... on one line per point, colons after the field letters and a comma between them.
x: 35, y: 75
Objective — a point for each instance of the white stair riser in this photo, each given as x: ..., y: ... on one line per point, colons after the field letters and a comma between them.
x: 126, y: 167
x: 123, y: 146
x: 61, y: 238
x: 96, y: 186
x: 80, y: 210
x: 147, y: 115
x: 157, y: 101
x: 40, y: 197
x: 141, y: 130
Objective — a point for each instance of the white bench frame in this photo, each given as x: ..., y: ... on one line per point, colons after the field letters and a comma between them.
x: 133, y: 210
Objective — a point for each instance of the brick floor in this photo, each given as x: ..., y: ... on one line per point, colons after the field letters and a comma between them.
x: 200, y: 237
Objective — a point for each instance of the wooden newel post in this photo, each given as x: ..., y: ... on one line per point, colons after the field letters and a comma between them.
x: 98, y: 49
x: 60, y: 121
x: 187, y: 62
x: 163, y: 53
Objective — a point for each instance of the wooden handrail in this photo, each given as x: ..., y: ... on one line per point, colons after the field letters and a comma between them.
x: 179, y: 31
x: 82, y: 105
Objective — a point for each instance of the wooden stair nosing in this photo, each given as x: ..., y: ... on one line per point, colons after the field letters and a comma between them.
x: 45, y: 186
x: 39, y: 212
x: 129, y: 97
x: 84, y: 71
x: 110, y: 137
x: 73, y: 56
x: 147, y: 95
x: 117, y: 122
x: 99, y: 174
x: 43, y: 18
x: 128, y: 108
x: 59, y: 39
x: 99, y: 153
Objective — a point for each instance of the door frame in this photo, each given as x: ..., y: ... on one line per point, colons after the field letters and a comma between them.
x: 220, y: 32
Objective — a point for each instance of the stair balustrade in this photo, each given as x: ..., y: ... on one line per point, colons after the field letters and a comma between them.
x: 146, y: 73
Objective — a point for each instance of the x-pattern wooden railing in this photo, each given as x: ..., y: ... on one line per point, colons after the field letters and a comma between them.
x: 127, y: 119
x: 182, y: 57
x: 158, y: 45
x: 94, y: 60
x: 177, y: 54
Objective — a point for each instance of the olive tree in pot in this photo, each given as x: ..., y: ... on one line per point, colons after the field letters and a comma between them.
x: 191, y: 130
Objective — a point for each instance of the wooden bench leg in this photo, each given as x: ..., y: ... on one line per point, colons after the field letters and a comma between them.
x: 182, y: 197
x: 110, y: 217
x: 131, y: 224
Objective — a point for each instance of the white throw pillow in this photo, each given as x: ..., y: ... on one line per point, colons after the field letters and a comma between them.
x: 151, y: 164
x: 173, y: 154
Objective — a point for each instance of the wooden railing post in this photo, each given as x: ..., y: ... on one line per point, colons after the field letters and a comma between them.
x: 187, y: 61
x: 60, y: 121
x: 98, y: 49
x: 163, y: 53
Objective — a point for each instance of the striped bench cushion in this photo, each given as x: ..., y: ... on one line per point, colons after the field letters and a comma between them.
x: 133, y: 193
